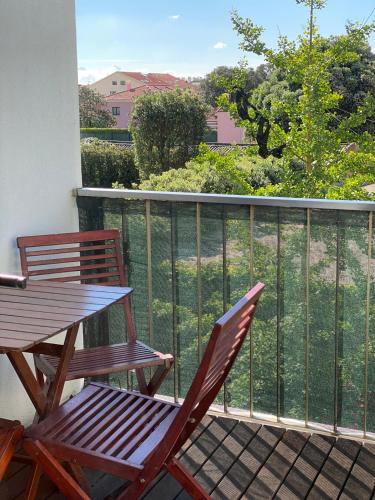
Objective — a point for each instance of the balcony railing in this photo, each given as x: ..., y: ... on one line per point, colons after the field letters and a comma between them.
x: 310, y: 356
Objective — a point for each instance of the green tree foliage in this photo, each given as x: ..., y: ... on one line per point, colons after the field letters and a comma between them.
x: 104, y: 164
x: 236, y: 172
x: 214, y: 85
x: 164, y: 126
x: 92, y: 109
x: 355, y: 81
x: 301, y: 120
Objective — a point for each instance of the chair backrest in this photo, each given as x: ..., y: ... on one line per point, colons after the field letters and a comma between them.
x: 86, y: 257
x: 225, y: 342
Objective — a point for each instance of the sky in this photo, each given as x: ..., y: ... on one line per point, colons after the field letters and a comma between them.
x: 190, y: 37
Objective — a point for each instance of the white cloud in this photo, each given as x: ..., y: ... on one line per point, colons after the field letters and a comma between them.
x: 220, y: 45
x: 174, y: 17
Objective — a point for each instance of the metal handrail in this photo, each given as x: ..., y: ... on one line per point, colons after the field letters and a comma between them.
x: 230, y: 199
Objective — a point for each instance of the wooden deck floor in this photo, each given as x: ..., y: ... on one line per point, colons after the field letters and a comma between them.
x: 234, y: 459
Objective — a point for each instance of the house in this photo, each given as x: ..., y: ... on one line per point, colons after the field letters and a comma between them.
x: 120, y: 81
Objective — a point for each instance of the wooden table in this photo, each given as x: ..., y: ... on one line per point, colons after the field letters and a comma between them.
x: 30, y: 316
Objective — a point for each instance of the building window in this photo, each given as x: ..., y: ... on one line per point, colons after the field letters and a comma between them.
x: 122, y: 82
x: 116, y: 111
x: 114, y: 82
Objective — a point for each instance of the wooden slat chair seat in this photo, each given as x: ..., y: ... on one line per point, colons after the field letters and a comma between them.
x: 134, y: 436
x: 106, y: 359
x: 91, y: 257
x: 10, y: 435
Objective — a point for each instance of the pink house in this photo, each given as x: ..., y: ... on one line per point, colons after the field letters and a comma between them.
x: 121, y: 105
x: 227, y: 130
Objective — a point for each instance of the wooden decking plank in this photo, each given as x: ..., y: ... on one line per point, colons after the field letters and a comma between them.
x: 306, y: 468
x: 201, y: 427
x: 245, y: 469
x: 277, y: 466
x: 198, y: 453
x: 108, y: 486
x: 216, y: 467
x: 361, y: 481
x: 164, y: 478
x: 336, y: 470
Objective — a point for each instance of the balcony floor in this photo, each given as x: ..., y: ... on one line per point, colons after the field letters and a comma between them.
x: 235, y: 459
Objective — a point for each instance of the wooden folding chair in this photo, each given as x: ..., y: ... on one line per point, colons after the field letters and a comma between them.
x: 10, y: 435
x: 90, y: 257
x: 134, y: 436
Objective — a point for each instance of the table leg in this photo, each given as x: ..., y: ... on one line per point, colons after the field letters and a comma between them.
x: 56, y: 389
x: 25, y: 374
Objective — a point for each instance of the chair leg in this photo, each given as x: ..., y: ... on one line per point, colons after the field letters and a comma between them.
x: 39, y: 374
x: 8, y: 448
x: 33, y: 483
x: 157, y: 379
x: 189, y: 483
x: 54, y: 470
x: 141, y: 381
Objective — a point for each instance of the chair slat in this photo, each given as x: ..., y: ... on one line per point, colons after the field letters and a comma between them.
x: 75, y: 249
x: 66, y: 260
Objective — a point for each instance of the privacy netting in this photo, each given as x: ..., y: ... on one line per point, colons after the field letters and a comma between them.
x: 311, y: 351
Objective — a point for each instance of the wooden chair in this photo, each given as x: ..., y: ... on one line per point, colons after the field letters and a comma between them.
x: 90, y: 257
x: 10, y: 435
x: 134, y: 436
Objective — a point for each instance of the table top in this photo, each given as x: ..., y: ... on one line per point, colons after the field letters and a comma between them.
x: 44, y: 308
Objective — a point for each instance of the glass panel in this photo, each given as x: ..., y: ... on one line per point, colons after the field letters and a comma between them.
x: 322, y: 298
x: 264, y: 330
x: 292, y: 308
x: 353, y: 289
x: 212, y: 233
x: 186, y: 293
x: 371, y: 345
x: 238, y: 283
x: 162, y: 286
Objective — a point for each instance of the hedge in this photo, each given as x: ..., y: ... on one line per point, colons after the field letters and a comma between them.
x: 105, y: 163
x: 107, y: 134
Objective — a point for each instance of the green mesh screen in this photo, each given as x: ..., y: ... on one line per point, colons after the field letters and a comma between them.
x: 310, y: 354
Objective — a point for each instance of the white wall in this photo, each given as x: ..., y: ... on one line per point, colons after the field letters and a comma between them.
x: 39, y: 140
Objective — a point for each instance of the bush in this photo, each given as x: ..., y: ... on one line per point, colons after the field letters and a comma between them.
x: 164, y: 126
x: 107, y: 134
x: 236, y: 172
x: 104, y: 164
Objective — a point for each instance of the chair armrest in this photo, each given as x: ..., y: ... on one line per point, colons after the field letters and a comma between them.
x: 13, y: 281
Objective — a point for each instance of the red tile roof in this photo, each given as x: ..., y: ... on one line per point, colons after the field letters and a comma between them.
x: 154, y: 78
x: 131, y: 94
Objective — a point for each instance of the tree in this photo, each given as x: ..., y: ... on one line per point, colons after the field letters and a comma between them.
x: 313, y: 58
x: 164, y: 126
x: 92, y: 109
x: 314, y: 131
x: 214, y: 85
x: 354, y: 81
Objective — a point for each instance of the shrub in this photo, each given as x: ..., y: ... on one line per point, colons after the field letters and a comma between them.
x: 237, y: 172
x: 164, y: 126
x: 104, y: 164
